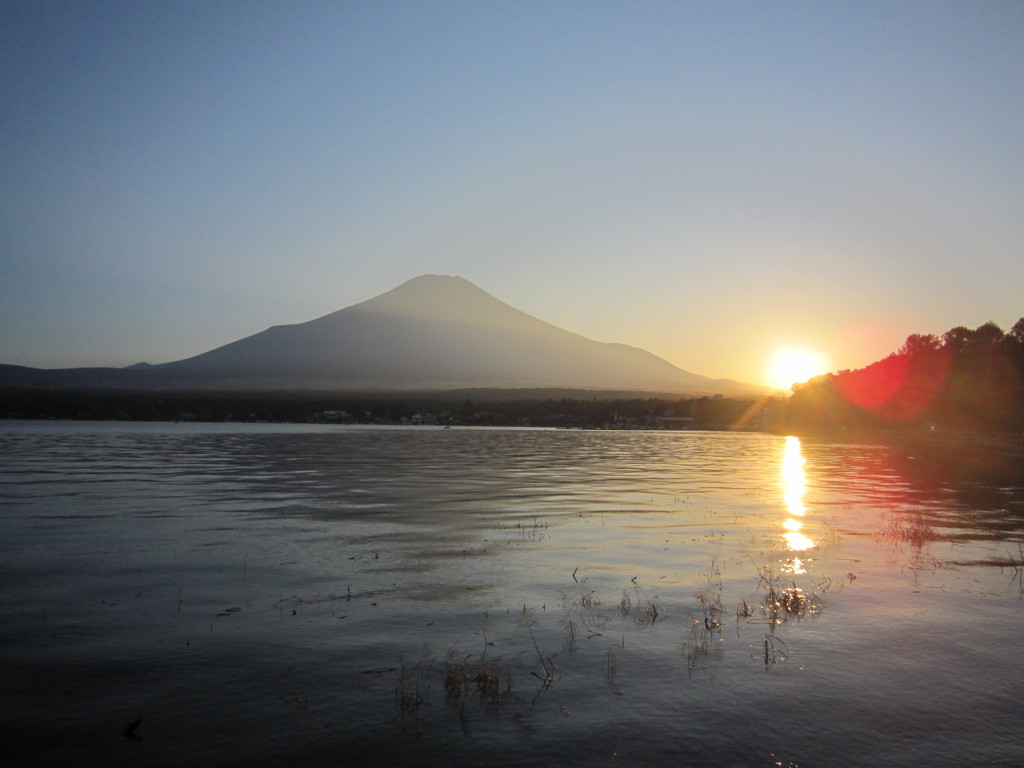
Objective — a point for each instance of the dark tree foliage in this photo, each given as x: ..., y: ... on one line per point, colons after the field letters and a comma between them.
x: 965, y: 380
x: 572, y: 409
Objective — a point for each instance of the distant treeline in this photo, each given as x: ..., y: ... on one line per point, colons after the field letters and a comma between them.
x: 539, y: 408
x: 965, y: 380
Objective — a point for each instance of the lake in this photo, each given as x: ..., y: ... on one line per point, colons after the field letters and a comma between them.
x: 219, y: 594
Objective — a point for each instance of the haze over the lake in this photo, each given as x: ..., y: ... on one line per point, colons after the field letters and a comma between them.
x: 706, y: 181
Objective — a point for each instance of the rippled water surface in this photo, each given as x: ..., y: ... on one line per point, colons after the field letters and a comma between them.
x: 269, y: 595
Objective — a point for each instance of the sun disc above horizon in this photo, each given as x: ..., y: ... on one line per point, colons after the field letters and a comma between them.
x: 793, y: 365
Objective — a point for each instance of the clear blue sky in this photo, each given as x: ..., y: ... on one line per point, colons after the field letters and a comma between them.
x: 705, y: 180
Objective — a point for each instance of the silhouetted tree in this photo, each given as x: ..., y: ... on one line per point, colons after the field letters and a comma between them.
x: 967, y: 379
x: 921, y: 344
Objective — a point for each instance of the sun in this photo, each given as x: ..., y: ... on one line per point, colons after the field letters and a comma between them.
x: 792, y: 366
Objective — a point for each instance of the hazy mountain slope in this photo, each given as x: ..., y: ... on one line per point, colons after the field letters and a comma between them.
x: 432, y: 332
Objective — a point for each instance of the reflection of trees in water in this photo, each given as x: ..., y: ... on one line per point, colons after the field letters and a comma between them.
x: 969, y: 498
x: 969, y: 501
x: 980, y: 539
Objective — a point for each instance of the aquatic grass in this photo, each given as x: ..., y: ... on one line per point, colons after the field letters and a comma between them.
x: 625, y: 604
x: 1012, y: 562
x: 583, y: 610
x: 524, y: 531
x: 611, y: 671
x: 648, y: 616
x: 831, y: 536
x: 911, y: 529
x: 745, y: 612
x: 491, y: 679
x: 586, y: 600
x: 773, y: 651
x: 923, y: 561
x: 1018, y: 567
x: 782, y: 602
x: 704, y: 630
x: 527, y: 620
x: 710, y: 597
x: 570, y: 636
x: 411, y: 690
x: 698, y: 646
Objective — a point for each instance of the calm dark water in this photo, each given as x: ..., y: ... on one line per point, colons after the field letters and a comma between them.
x: 267, y: 595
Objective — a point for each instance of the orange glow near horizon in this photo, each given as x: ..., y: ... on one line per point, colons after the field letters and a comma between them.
x: 794, y: 366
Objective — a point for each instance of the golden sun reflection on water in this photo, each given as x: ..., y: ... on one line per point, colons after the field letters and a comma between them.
x: 794, y: 486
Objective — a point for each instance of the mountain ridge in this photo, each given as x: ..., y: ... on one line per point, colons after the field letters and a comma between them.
x: 431, y: 332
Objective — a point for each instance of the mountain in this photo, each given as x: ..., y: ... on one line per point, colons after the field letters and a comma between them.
x: 433, y: 332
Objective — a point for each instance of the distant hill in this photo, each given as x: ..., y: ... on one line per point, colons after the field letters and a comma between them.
x: 433, y: 332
